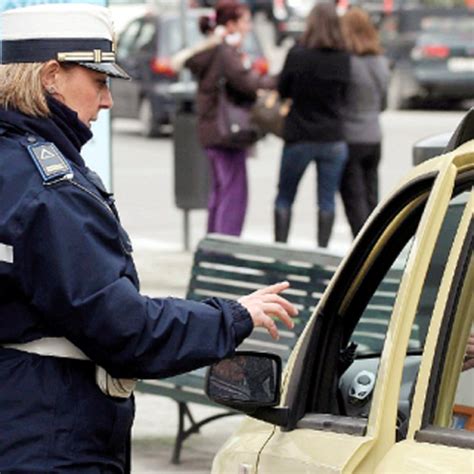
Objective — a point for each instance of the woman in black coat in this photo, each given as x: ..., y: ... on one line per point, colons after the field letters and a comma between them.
x: 315, y: 76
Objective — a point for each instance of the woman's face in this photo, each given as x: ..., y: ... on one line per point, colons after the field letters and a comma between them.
x: 242, y: 25
x: 84, y: 91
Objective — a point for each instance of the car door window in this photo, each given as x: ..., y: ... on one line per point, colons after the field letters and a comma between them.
x: 146, y: 39
x: 126, y: 44
x: 357, y: 382
x: 360, y: 318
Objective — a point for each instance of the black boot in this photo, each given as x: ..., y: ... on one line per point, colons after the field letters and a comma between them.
x: 282, y: 224
x: 325, y: 223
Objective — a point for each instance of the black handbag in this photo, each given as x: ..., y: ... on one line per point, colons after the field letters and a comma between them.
x: 234, y: 124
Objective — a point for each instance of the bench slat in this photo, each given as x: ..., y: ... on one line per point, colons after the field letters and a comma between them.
x: 246, y: 266
x: 257, y: 280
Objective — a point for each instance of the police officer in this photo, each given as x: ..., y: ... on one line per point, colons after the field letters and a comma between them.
x: 75, y: 332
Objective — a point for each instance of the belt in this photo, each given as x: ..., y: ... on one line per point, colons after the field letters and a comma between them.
x: 50, y: 346
x: 61, y: 347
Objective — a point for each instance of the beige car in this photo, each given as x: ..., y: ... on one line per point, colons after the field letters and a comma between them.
x: 375, y: 383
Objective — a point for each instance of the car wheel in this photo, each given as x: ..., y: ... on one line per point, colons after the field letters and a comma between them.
x: 149, y: 128
x: 395, y: 98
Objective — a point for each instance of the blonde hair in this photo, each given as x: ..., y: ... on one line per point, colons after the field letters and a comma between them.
x: 21, y: 89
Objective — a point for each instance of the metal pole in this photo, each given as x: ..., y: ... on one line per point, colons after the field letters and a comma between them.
x: 186, y: 229
x: 184, y: 77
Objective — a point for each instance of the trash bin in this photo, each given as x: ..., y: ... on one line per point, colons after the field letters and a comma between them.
x: 430, y: 147
x: 190, y: 163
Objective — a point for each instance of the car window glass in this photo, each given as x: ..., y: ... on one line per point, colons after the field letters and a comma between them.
x: 369, y: 334
x: 146, y: 39
x: 127, y: 40
x: 172, y: 34
x: 366, y: 342
x: 435, y: 271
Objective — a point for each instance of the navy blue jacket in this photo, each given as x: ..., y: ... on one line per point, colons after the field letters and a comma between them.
x: 71, y: 274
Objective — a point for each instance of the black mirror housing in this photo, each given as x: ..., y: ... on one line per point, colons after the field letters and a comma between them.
x: 246, y: 381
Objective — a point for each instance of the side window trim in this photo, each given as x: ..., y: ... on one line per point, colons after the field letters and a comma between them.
x: 446, y: 437
x: 334, y: 424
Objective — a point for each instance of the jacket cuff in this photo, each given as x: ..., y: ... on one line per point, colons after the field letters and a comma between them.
x: 243, y: 324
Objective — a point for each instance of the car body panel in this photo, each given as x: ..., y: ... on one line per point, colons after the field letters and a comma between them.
x: 324, y: 451
x: 243, y: 448
x: 412, y: 457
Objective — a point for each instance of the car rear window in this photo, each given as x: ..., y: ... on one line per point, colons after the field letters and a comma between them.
x: 448, y: 25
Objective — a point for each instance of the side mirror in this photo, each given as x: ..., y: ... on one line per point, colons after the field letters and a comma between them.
x: 246, y: 381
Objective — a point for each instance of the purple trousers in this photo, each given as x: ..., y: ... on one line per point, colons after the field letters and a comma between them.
x: 228, y: 194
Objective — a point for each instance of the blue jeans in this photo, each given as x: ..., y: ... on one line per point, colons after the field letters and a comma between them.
x: 330, y: 158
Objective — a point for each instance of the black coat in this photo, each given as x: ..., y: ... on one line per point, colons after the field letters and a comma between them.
x: 66, y: 270
x: 316, y: 80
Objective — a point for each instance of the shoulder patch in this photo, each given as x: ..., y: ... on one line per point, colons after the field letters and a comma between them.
x: 50, y: 162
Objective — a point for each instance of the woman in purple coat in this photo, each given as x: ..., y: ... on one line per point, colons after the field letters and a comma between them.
x: 224, y: 59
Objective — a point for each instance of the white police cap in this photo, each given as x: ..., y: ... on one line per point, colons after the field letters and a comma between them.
x: 68, y: 33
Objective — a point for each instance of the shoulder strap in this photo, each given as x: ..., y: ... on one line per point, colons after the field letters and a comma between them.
x: 49, y: 161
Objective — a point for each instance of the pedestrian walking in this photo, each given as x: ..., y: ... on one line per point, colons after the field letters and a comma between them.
x: 368, y: 85
x: 315, y: 76
x: 211, y: 65
x: 75, y: 332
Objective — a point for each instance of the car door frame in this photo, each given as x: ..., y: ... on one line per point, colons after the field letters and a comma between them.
x: 319, y: 343
x: 429, y: 448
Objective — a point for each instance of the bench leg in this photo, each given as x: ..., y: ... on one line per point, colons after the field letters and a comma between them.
x: 183, y: 411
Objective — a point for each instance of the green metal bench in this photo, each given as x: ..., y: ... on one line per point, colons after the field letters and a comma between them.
x: 229, y: 267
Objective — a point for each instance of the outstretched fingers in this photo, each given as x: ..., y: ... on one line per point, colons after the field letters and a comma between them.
x: 275, y: 309
x: 275, y: 288
x: 274, y: 298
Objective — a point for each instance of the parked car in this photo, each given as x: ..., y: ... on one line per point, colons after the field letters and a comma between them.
x: 373, y: 386
x: 432, y: 54
x: 144, y: 49
x: 289, y: 18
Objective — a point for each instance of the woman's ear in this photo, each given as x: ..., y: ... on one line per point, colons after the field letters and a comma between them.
x: 49, y: 76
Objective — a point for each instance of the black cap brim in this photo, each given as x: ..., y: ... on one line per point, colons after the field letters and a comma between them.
x: 111, y: 69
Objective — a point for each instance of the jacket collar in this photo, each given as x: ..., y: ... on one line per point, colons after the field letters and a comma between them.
x: 62, y: 127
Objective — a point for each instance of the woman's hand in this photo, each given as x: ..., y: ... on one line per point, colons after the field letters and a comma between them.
x: 266, y: 303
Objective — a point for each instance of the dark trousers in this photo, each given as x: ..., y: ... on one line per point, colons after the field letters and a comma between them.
x: 359, y: 184
x: 228, y: 195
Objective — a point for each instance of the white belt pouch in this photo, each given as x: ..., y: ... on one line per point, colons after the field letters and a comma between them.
x: 61, y: 347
